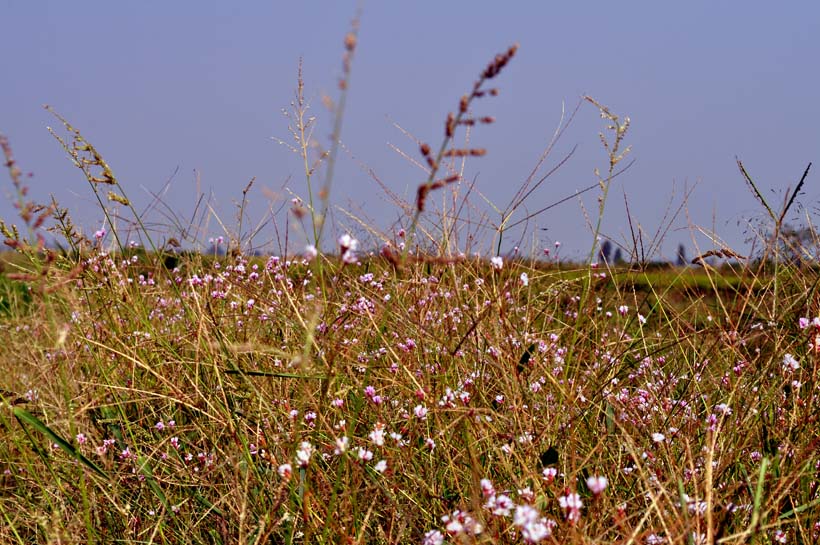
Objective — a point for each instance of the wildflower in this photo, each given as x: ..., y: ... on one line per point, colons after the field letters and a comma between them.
x: 433, y: 537
x: 381, y: 466
x: 346, y: 242
x: 526, y: 494
x: 461, y: 522
x: 549, y: 474
x: 285, y: 471
x: 99, y: 234
x: 377, y: 435
x: 658, y: 437
x: 597, y: 484
x: 348, y: 246
x: 500, y: 505
x: 349, y: 258
x: 304, y: 453
x: 497, y: 262
x: 571, y: 504
x: 487, y: 488
x: 364, y: 454
x: 723, y: 408
x: 623, y: 309
x: 524, y: 279
x: 81, y: 439
x: 311, y: 252
x: 533, y: 526
x: 790, y: 363
x: 341, y: 445
x: 430, y: 443
x: 803, y: 323
x: 756, y: 456
x: 420, y: 411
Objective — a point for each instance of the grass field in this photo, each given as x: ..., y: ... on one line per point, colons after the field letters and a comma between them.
x: 403, y: 393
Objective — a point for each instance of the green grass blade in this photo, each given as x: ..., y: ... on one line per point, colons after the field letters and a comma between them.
x: 26, y: 417
x: 144, y: 466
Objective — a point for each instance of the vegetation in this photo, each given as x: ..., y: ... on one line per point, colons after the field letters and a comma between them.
x: 410, y: 394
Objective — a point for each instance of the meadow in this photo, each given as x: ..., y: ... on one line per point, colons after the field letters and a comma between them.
x: 406, y: 392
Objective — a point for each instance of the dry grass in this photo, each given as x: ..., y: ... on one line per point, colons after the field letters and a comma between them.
x: 402, y: 397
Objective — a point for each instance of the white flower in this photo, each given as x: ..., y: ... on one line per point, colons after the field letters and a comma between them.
x: 311, y: 252
x: 349, y: 258
x: 525, y: 279
x: 346, y: 242
x: 285, y: 471
x: 364, y: 454
x: 341, y: 445
x: 790, y: 363
x: 433, y: 537
x: 304, y: 453
x: 377, y: 435
x: 597, y: 485
x: 500, y: 505
x: 497, y: 262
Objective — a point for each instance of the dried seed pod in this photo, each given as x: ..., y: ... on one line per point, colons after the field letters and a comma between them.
x: 350, y: 41
x: 449, y: 126
x: 463, y: 103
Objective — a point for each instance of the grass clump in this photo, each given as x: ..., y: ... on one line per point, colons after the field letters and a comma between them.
x: 153, y: 396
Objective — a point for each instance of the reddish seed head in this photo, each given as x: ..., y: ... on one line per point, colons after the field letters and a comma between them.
x: 425, y: 149
x: 463, y: 103
x: 350, y: 41
x: 449, y: 126
x: 421, y: 197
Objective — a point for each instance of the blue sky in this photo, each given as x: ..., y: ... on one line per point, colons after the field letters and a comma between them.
x: 172, y: 89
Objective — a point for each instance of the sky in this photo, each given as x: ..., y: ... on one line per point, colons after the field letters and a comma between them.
x: 186, y: 99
